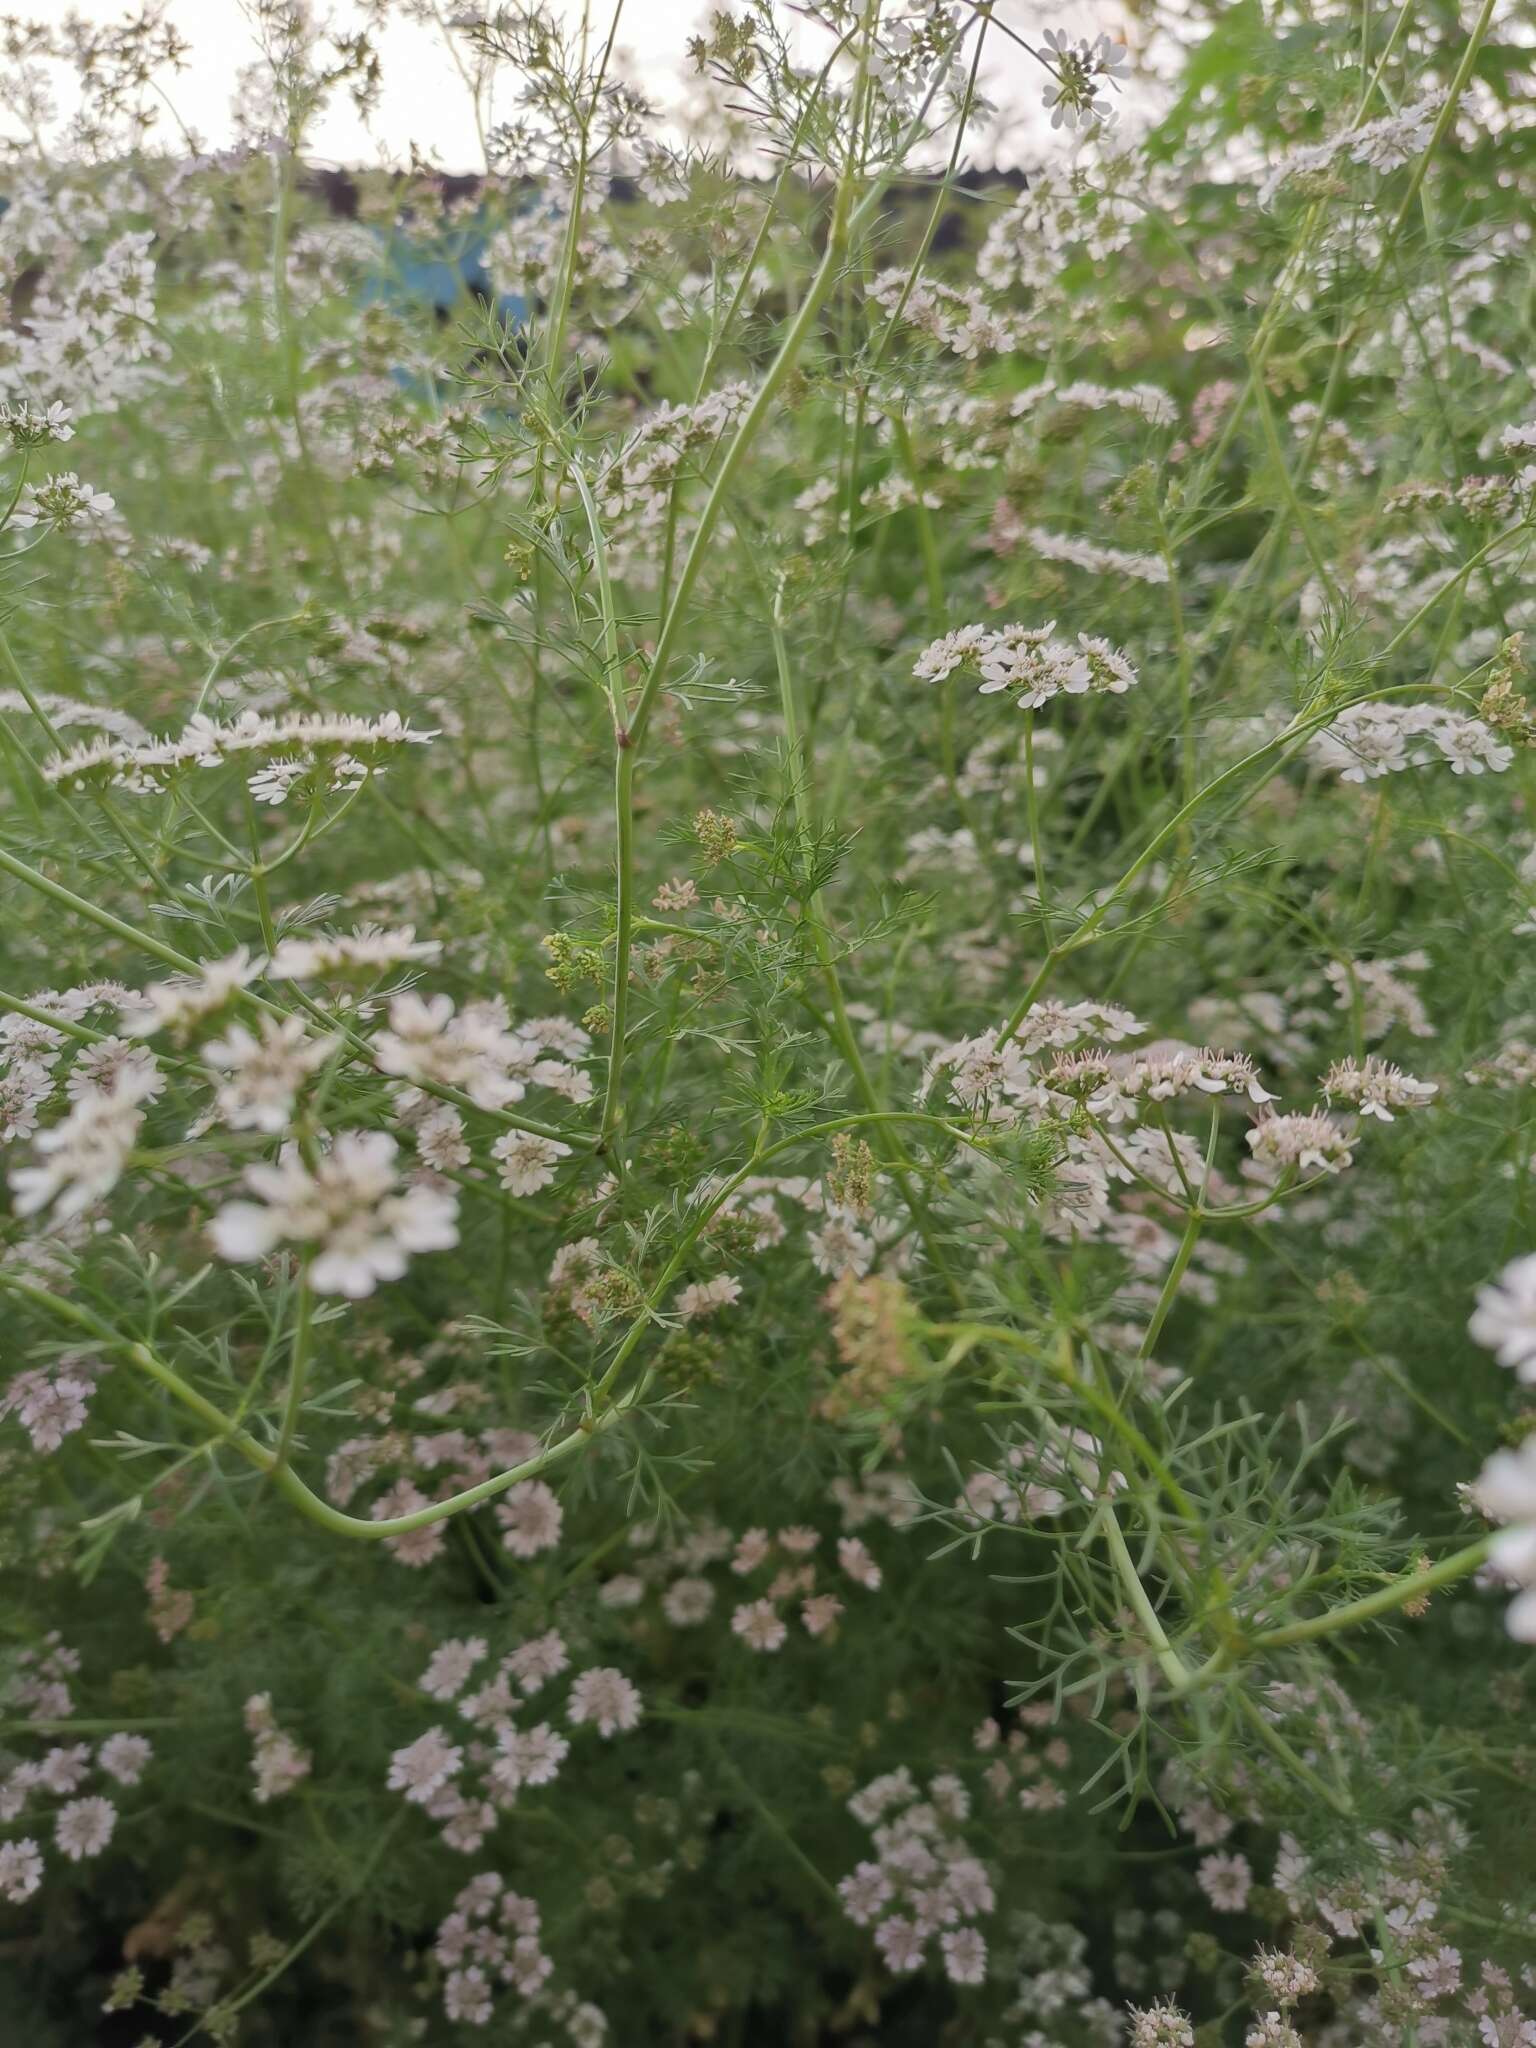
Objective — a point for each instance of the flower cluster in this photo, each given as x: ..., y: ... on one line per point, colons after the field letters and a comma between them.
x: 1028, y: 663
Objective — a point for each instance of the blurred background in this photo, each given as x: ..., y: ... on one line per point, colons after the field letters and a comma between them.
x: 424, y: 108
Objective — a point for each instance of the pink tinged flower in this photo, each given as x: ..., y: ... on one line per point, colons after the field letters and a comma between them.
x: 424, y: 1766
x: 452, y: 1662
x: 84, y: 1827
x: 64, y: 1770
x: 519, y: 1911
x: 124, y: 1758
x: 604, y: 1698
x: 278, y: 1762
x: 467, y: 1997
x: 541, y: 1658
x: 530, y: 1968
x: 478, y: 1896
x: 969, y: 1886
x: 417, y: 1547
x: 751, y: 1551
x: 1226, y: 1882
x: 901, y: 1945
x: 529, y: 1756
x: 965, y: 1956
x: 1438, y: 1975
x: 704, y: 1297
x: 758, y: 1624
x: 469, y: 1826
x: 820, y: 1613
x: 531, y: 1518
x: 864, y: 1892
x: 50, y: 1405
x: 687, y: 1602
x: 21, y: 1869
x: 856, y: 1561
x: 621, y: 1592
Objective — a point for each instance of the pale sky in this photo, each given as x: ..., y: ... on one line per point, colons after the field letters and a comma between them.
x: 425, y: 103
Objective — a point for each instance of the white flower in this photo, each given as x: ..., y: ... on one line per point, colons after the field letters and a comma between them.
x: 965, y: 1955
x: 1226, y: 1882
x: 30, y: 426
x: 687, y: 1602
x: 606, y: 1698
x: 1505, y: 1489
x: 438, y: 1130
x: 21, y: 1870
x: 1028, y: 663
x: 899, y: 1941
x: 84, y: 1827
x: 1384, y: 737
x: 467, y: 1996
x: 1504, y: 1321
x: 475, y: 1051
x: 265, y: 1072
x: 1376, y: 1088
x: 179, y: 1005
x: 1309, y: 1143
x: 1160, y: 2026
x: 1074, y: 97
x: 348, y: 1211
x: 113, y: 1065
x: 61, y: 500
x: 367, y: 950
x: 838, y: 1248
x: 87, y: 1152
x: 124, y: 1757
x: 527, y: 1161
x: 528, y: 1756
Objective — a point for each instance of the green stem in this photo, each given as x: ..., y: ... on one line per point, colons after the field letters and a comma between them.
x: 631, y: 734
x: 298, y: 1368
x: 1414, y: 1586
x: 602, y: 1413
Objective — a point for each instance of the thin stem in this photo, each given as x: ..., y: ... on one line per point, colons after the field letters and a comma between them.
x: 602, y: 1413
x: 298, y: 1368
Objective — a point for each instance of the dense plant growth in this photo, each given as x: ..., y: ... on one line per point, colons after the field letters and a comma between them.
x: 767, y: 1043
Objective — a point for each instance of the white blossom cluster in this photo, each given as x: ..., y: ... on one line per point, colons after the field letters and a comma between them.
x: 326, y: 750
x: 1384, y: 737
x: 1028, y: 663
x: 1383, y: 145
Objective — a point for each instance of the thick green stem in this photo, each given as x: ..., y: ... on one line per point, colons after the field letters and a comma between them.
x: 1373, y: 1606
